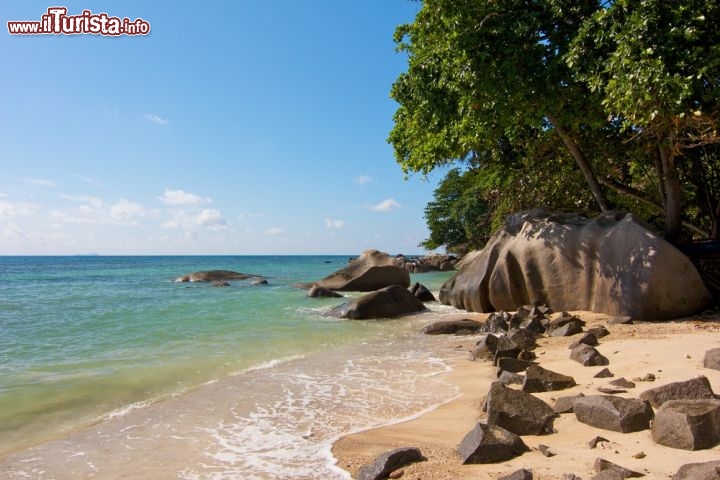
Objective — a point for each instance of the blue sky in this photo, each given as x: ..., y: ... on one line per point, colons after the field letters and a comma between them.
x: 239, y: 127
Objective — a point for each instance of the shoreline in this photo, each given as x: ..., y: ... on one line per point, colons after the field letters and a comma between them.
x: 673, y: 351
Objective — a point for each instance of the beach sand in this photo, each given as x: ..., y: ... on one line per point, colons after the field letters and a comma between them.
x: 672, y: 351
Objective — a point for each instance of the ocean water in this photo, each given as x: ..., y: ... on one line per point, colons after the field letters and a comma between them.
x: 109, y: 368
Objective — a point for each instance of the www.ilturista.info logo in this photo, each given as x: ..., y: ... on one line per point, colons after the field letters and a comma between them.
x: 57, y: 22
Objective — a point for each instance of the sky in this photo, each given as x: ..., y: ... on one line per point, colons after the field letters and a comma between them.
x: 239, y: 127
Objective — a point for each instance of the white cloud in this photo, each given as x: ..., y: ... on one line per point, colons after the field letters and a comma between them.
x: 334, y: 224
x: 3, y: 195
x: 94, y: 210
x: 209, y: 218
x: 180, y: 197
x: 42, y: 182
x: 14, y: 209
x: 248, y: 216
x: 386, y: 205
x: 274, y: 231
x: 95, y: 202
x: 124, y: 212
x: 156, y: 119
x: 363, y: 180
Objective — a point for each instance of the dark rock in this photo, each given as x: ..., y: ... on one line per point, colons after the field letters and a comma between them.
x: 506, y: 347
x: 539, y: 379
x: 587, y: 339
x: 213, y: 276
x: 521, y: 474
x: 610, y: 390
x: 519, y: 412
x: 221, y: 283
x: 588, y: 356
x: 599, y: 331
x: 604, y: 373
x: 534, y: 325
x: 371, y: 271
x: 699, y: 471
x: 523, y: 339
x: 620, y: 320
x: 695, y: 388
x: 320, y: 292
x: 567, y: 329
x: 452, y: 327
x: 258, y: 281
x: 648, y: 377
x: 546, y: 451
x: 497, y: 322
x: 622, y: 383
x: 527, y: 355
x: 514, y: 365
x: 712, y: 359
x: 422, y: 293
x: 510, y: 378
x: 602, y: 465
x: 593, y: 443
x: 388, y: 302
x: 490, y: 444
x: 384, y: 464
x: 687, y: 424
x: 485, y: 348
x: 564, y: 319
x: 613, y: 413
x: 565, y: 404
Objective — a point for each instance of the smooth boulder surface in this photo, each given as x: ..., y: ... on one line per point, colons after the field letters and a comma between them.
x: 693, y: 389
x: 698, y: 471
x: 452, y: 327
x: 611, y: 264
x: 387, y: 302
x: 371, y: 271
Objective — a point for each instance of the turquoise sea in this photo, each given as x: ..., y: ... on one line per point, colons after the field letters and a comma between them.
x: 110, y: 369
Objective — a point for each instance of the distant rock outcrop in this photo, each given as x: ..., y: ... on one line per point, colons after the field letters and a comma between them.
x: 611, y: 264
x: 373, y: 270
x: 215, y: 276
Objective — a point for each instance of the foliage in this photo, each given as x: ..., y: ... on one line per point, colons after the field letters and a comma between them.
x: 568, y: 104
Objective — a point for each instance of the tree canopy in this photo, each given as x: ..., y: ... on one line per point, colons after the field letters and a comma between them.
x: 620, y: 98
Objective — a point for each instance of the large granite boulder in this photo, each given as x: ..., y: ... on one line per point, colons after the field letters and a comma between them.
x: 518, y: 412
x: 613, y: 413
x: 687, y: 424
x: 611, y: 264
x: 371, y: 271
x: 387, y: 302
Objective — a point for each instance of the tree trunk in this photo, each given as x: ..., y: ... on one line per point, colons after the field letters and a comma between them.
x: 673, y: 193
x: 582, y: 162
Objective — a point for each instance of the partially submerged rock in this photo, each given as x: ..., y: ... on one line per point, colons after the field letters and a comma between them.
x: 320, y: 292
x: 371, y: 271
x: 388, y: 302
x: 214, y: 276
x: 422, y: 293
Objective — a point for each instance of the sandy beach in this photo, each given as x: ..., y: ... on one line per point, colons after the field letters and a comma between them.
x: 671, y: 351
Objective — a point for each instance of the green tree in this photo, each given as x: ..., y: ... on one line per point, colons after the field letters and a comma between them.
x: 656, y: 65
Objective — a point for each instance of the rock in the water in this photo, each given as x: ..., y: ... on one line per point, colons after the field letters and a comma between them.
x: 320, y: 292
x: 373, y: 270
x: 452, y: 327
x: 383, y: 465
x: 613, y: 413
x: 588, y: 356
x: 519, y: 412
x: 258, y: 281
x: 693, y: 389
x: 220, y: 283
x: 621, y: 269
x: 539, y: 379
x: 698, y: 471
x: 213, y: 276
x: 388, y: 302
x: 490, y: 444
x: 712, y: 359
x: 422, y: 293
x: 687, y: 424
x: 602, y: 465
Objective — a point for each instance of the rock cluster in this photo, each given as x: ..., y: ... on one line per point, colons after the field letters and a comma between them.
x: 433, y: 262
